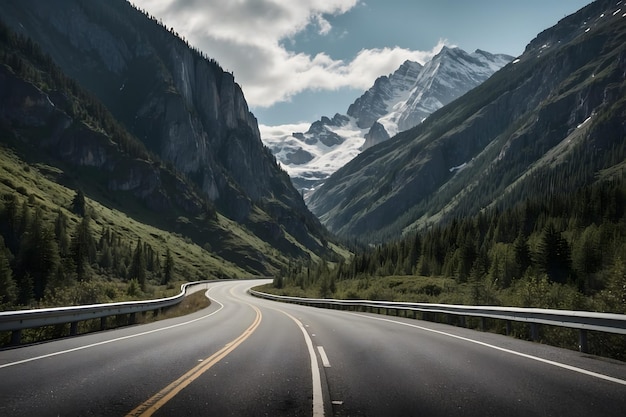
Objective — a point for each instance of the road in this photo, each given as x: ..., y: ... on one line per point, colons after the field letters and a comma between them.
x: 245, y: 356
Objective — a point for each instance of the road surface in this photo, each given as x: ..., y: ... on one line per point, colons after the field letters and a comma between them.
x: 245, y: 356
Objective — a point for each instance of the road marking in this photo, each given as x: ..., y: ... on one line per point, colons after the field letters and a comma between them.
x: 318, y: 400
x: 318, y: 397
x: 105, y: 342
x: 162, y: 397
x: 325, y: 361
x: 524, y: 355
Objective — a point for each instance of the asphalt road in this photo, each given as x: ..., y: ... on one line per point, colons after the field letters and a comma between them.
x: 245, y: 356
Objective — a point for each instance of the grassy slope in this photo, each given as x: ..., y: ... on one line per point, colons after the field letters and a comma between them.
x: 37, y: 183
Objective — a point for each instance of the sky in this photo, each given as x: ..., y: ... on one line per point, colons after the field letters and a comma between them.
x: 298, y: 60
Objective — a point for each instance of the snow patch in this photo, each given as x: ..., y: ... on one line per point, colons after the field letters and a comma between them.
x: 458, y: 168
x: 583, y: 123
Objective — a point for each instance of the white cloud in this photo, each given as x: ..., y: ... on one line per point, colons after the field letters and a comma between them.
x: 247, y: 36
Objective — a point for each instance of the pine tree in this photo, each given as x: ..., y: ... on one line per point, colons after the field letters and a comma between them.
x: 78, y: 203
x: 8, y: 287
x: 83, y: 248
x: 38, y: 254
x: 168, y: 268
x: 554, y: 256
x: 138, y: 266
x: 60, y: 233
x: 522, y: 254
x: 9, y: 222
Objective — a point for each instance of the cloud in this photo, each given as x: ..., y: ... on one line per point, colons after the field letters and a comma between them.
x: 247, y: 37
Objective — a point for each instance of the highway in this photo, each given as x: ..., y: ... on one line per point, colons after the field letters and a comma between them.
x: 245, y: 356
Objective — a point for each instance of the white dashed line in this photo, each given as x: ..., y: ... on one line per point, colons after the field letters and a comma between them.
x: 325, y: 361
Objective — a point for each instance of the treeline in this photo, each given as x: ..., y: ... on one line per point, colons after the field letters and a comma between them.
x: 574, y: 241
x: 43, y: 260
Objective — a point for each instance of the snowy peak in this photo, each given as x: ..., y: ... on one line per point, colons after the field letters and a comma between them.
x: 376, y: 101
x: 449, y: 75
x: 396, y: 102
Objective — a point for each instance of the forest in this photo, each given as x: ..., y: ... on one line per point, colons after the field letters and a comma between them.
x: 565, y: 250
x: 47, y: 262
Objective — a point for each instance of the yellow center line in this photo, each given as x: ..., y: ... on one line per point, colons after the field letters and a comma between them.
x: 157, y: 401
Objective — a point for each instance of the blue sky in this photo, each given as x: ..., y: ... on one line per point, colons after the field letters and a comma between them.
x: 299, y: 60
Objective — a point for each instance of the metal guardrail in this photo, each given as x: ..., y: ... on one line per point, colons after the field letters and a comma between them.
x: 581, y: 320
x: 17, y: 320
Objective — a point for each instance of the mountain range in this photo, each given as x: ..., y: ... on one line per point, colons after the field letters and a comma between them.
x: 394, y: 103
x: 553, y: 118
x: 201, y: 158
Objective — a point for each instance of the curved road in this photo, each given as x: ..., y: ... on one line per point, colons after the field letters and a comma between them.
x: 245, y: 356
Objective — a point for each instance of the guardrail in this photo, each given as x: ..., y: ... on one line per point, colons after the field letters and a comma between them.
x: 17, y: 320
x: 581, y: 320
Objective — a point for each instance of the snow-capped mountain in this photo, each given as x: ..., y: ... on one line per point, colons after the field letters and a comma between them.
x: 393, y: 104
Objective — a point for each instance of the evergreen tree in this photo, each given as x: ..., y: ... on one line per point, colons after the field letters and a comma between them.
x: 38, y: 254
x: 168, y: 268
x: 61, y: 234
x: 24, y: 222
x: 83, y: 248
x: 554, y: 256
x: 522, y: 253
x: 8, y: 287
x: 587, y: 257
x: 9, y: 222
x: 138, y: 266
x: 78, y: 203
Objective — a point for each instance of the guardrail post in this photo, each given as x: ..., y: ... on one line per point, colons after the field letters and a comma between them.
x: 462, y: 321
x: 534, y: 331
x: 132, y: 318
x: 509, y: 329
x: 103, y: 323
x: 73, y: 328
x: 483, y: 324
x: 582, y: 341
x: 16, y: 337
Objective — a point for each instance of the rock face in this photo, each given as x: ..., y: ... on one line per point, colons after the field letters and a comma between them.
x: 394, y: 103
x: 24, y: 108
x: 553, y: 117
x: 181, y: 104
x: 374, y: 103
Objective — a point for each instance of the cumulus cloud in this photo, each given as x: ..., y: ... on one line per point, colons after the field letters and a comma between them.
x: 247, y: 37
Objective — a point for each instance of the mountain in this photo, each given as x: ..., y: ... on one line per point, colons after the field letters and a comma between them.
x: 394, y: 103
x: 551, y: 119
x: 188, y: 114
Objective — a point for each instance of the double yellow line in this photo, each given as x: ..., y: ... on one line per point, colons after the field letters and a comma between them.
x: 157, y: 401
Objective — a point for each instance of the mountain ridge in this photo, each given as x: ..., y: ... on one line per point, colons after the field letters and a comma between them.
x: 395, y: 102
x: 468, y: 153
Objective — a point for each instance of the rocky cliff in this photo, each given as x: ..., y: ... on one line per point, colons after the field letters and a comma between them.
x: 180, y: 103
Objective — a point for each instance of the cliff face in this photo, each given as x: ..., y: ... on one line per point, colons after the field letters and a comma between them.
x: 181, y: 104
x: 30, y: 113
